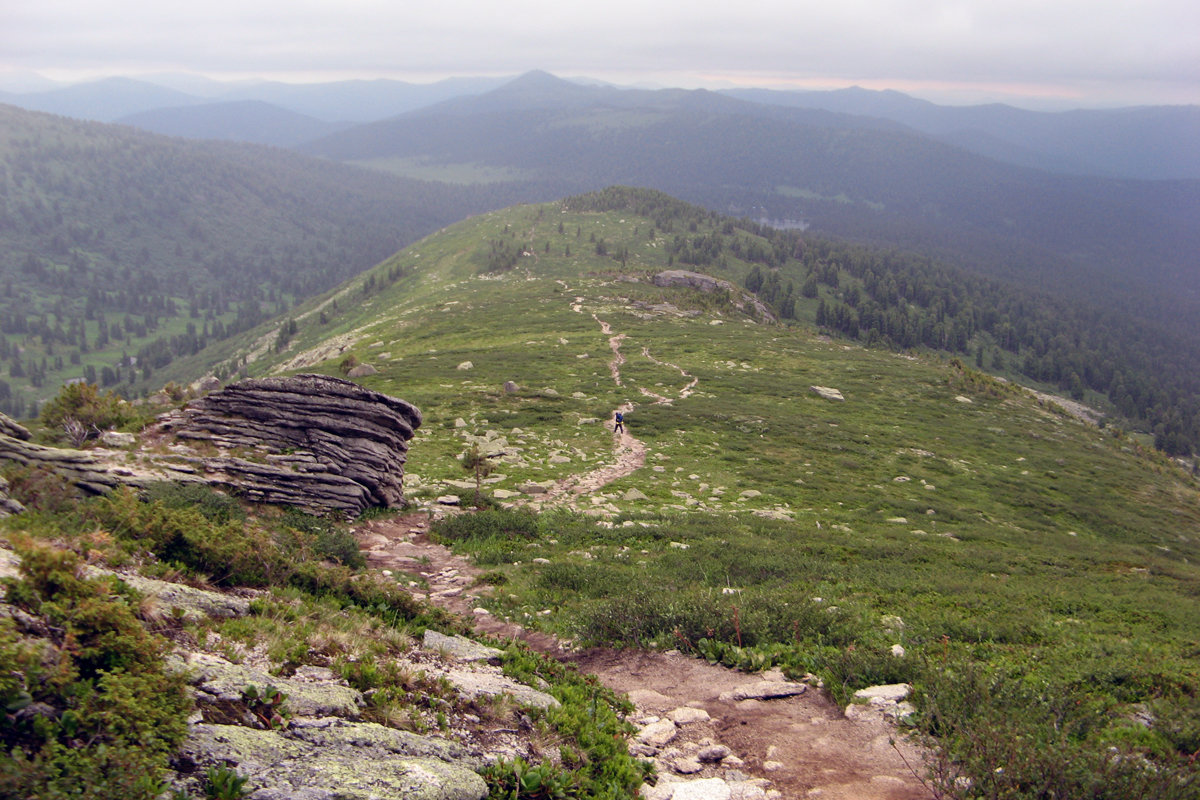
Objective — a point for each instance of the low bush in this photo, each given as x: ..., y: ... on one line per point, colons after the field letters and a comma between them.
x: 505, y: 523
x: 93, y: 713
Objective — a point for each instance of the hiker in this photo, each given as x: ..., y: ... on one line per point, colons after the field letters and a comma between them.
x: 619, y: 427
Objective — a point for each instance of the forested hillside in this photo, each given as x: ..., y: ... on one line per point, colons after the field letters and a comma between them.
x: 120, y: 250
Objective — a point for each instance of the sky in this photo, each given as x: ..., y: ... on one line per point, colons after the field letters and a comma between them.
x: 1035, y: 53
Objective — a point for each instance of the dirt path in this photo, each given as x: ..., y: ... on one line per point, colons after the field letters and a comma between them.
x: 803, y: 745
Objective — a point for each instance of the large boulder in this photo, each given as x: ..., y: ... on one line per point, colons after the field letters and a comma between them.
x: 319, y: 443
x: 323, y: 445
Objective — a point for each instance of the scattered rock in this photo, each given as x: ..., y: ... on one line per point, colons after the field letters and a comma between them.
x: 460, y: 648
x: 117, y: 439
x: 511, y: 388
x: 634, y: 495
x: 713, y: 753
x: 686, y: 715
x: 658, y: 734
x: 466, y: 365
x: 764, y: 690
x: 362, y: 371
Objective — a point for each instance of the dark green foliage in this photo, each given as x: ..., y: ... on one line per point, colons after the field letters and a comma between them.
x: 229, y: 553
x: 1019, y: 739
x: 115, y: 714
x: 223, y: 783
x: 592, y: 734
x: 84, y: 412
x: 214, y: 505
x: 327, y: 540
x: 39, y: 489
x: 267, y: 704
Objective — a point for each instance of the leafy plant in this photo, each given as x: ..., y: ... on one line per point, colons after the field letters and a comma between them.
x: 223, y: 783
x: 267, y: 705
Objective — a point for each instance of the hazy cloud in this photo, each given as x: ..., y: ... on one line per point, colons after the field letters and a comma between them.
x: 1120, y: 50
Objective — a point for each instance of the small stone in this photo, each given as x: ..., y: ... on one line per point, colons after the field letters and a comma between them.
x: 466, y: 365
x: 658, y: 733
x: 892, y: 692
x: 449, y: 500
x: 827, y: 393
x: 687, y: 716
x: 686, y: 766
x: 764, y: 690
x: 704, y: 789
x: 713, y: 753
x: 772, y: 766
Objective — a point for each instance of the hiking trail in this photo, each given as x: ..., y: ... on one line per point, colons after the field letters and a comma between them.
x: 803, y: 745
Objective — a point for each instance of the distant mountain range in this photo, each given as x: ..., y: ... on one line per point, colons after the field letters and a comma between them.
x: 1157, y: 142
x: 1150, y: 142
x: 114, y: 99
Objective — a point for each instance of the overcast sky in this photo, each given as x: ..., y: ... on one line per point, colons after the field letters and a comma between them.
x: 1027, y: 52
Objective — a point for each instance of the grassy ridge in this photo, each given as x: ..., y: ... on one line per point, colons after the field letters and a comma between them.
x: 1042, y: 570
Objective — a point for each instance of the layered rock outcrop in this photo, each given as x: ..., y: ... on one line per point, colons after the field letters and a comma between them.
x: 310, y: 441
x: 320, y: 444
x: 708, y: 284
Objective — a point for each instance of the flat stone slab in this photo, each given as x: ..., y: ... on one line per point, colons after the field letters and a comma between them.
x: 892, y: 692
x: 474, y: 684
x: 277, y: 767
x: 703, y: 789
x: 687, y: 716
x: 764, y: 690
x: 216, y: 679
x: 191, y: 604
x: 460, y: 648
x: 649, y: 699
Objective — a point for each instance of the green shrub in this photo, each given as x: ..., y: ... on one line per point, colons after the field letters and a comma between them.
x: 215, y: 506
x: 114, y: 714
x: 327, y: 540
x: 40, y: 489
x: 82, y: 412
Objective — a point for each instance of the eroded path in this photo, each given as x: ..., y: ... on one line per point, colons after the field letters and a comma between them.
x: 803, y: 745
x: 799, y: 747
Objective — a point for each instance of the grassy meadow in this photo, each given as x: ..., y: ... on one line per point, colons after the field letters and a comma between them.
x: 1038, y: 572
